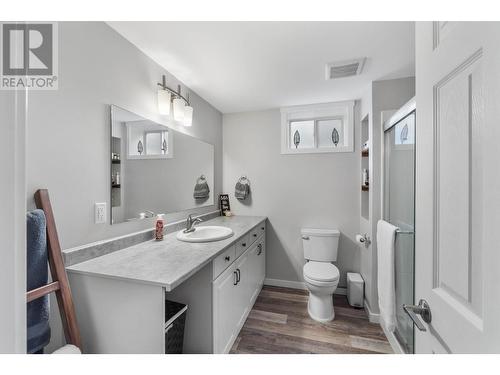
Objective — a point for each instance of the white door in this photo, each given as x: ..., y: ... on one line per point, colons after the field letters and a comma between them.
x: 457, y: 218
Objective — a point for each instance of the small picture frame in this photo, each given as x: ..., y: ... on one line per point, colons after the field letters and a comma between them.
x: 224, y: 203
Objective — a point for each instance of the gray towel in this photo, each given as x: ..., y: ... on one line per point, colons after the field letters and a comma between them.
x: 242, y: 189
x: 201, y: 189
x: 37, y: 310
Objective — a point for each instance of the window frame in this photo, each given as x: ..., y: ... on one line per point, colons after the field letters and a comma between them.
x: 318, y: 112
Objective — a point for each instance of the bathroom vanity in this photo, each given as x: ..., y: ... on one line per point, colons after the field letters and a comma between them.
x: 120, y: 297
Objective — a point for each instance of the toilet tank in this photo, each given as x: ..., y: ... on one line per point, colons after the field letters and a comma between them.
x: 320, y: 245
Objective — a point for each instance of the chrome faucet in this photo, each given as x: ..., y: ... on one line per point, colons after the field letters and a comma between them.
x: 190, y: 223
x: 150, y: 214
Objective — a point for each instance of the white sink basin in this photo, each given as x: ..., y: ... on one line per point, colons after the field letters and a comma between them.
x: 206, y: 234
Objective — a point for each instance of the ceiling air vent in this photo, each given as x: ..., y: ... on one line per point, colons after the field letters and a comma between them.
x: 342, y: 69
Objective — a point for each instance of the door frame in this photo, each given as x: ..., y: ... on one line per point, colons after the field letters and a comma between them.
x: 13, y: 221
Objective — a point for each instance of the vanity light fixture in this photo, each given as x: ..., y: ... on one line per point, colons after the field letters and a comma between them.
x: 182, y: 110
x: 188, y: 114
x: 164, y: 101
x: 178, y: 107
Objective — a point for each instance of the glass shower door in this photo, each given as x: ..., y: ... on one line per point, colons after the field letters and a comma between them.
x: 399, y: 210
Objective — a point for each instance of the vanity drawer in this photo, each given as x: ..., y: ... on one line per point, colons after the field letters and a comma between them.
x: 224, y: 260
x: 242, y: 244
x: 257, y: 232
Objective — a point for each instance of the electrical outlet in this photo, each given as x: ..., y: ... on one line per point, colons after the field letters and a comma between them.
x: 100, y: 213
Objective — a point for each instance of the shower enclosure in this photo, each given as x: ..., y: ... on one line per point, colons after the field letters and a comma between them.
x: 399, y: 210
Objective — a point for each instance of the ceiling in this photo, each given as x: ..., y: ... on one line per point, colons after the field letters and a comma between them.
x: 247, y: 66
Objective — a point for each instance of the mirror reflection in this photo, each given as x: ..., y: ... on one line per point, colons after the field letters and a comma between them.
x: 155, y: 169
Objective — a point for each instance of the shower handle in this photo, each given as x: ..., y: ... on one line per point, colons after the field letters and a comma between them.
x: 421, y: 309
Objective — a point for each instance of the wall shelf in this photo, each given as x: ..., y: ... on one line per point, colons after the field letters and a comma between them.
x: 116, y: 186
x: 364, y: 188
x: 115, y: 161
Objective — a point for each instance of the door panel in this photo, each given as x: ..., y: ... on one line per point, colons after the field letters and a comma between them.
x: 457, y: 241
x: 225, y: 310
x: 261, y: 268
x: 457, y: 184
x: 243, y: 289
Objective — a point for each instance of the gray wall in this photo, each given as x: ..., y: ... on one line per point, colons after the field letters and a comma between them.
x: 68, y: 129
x: 294, y: 191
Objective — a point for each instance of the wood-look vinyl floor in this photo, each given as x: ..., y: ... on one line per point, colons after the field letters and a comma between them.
x: 279, y: 324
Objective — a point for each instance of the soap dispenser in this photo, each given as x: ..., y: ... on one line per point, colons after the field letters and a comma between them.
x: 159, y: 228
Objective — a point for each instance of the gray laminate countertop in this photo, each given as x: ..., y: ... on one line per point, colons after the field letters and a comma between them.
x: 169, y: 262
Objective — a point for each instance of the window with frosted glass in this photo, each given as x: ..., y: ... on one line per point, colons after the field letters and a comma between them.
x: 330, y: 133
x: 302, y: 134
x: 405, y: 131
x: 317, y: 128
x: 156, y: 143
x: 136, y: 141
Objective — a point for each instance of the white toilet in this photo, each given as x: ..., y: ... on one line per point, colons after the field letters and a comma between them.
x: 320, y: 275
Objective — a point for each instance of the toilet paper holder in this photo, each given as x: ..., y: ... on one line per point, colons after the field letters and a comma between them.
x: 363, y: 239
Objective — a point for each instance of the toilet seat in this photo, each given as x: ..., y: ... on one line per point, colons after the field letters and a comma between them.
x: 321, y: 272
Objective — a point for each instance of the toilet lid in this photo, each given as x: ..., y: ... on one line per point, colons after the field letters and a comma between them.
x: 321, y: 271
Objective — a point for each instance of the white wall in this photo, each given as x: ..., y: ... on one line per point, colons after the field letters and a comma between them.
x: 293, y: 191
x: 68, y: 132
x: 380, y: 96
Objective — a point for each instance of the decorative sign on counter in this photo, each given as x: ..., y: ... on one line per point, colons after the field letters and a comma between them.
x: 224, y: 203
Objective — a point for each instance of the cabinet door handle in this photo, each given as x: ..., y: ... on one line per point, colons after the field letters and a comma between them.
x: 262, y: 228
x: 255, y: 234
x: 227, y: 258
x: 238, y: 275
x: 243, y: 244
x: 259, y: 246
x: 235, y: 278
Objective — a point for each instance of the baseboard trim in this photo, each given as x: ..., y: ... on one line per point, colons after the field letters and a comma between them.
x: 297, y: 285
x: 372, y: 317
x: 285, y: 283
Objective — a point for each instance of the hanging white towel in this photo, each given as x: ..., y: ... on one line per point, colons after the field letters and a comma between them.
x: 386, y: 236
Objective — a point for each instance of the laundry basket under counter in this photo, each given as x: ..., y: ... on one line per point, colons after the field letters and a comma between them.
x: 175, y: 321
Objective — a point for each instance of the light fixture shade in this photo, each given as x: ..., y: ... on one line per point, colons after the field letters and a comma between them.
x: 188, y: 115
x: 178, y: 107
x: 164, y: 98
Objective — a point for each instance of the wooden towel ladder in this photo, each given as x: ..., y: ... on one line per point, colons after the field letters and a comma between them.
x: 59, y: 284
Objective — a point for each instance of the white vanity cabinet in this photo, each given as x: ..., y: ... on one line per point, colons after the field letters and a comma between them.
x: 120, y: 297
x: 236, y: 289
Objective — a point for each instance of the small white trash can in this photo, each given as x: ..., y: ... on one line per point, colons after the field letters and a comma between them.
x: 355, y: 289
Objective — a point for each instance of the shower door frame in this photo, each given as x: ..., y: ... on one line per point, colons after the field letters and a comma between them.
x: 395, y: 118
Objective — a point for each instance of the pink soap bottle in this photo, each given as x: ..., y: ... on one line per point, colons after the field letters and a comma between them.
x: 159, y: 228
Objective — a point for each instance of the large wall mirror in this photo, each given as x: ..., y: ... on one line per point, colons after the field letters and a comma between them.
x: 155, y: 169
